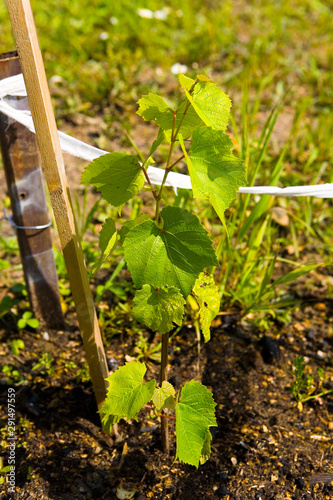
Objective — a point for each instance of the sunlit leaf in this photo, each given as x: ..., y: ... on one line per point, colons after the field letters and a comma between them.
x: 117, y: 176
x: 127, y: 393
x: 164, y: 397
x: 215, y: 173
x: 159, y: 308
x: 129, y: 224
x: 153, y: 108
x: 208, y: 298
x: 195, y: 414
x: 209, y: 101
x: 108, y: 238
x: 172, y: 255
x: 206, y: 451
x: 186, y: 82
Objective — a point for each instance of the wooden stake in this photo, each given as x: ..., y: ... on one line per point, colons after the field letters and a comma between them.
x: 25, y: 35
x: 164, y: 369
x: 28, y: 203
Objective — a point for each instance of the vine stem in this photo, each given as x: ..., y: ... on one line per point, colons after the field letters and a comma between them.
x: 144, y: 170
x: 169, y: 167
x: 160, y: 414
x: 164, y: 421
x: 188, y: 104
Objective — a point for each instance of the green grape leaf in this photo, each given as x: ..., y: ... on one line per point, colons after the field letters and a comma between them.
x: 129, y: 224
x: 209, y: 101
x: 127, y: 393
x: 164, y: 397
x: 195, y: 413
x: 208, y: 298
x: 190, y: 122
x: 117, y: 176
x: 204, y: 78
x: 158, y: 141
x: 173, y: 255
x: 153, y: 107
x: 108, y: 421
x: 185, y: 82
x: 215, y: 173
x: 159, y: 309
x: 108, y: 238
x: 205, y: 452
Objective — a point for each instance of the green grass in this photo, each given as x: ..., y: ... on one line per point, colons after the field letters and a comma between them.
x: 273, y: 58
x: 105, y: 51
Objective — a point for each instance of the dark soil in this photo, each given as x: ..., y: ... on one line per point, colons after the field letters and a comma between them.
x: 264, y: 447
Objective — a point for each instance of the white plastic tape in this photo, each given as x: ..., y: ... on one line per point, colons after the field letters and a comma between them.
x: 14, y: 86
x: 318, y: 190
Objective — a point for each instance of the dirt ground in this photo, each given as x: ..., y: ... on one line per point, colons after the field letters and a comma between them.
x: 263, y: 448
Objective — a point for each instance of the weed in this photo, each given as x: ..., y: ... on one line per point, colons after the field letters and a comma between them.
x: 30, y: 474
x: 6, y: 306
x: 28, y: 319
x: 304, y: 385
x: 4, y: 471
x: 45, y: 361
x: 16, y: 345
x: 13, y: 375
x: 83, y: 374
x: 146, y: 350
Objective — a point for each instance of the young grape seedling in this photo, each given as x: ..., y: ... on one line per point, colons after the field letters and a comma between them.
x: 168, y: 255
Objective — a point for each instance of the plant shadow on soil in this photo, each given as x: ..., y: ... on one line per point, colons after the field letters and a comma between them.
x: 263, y: 446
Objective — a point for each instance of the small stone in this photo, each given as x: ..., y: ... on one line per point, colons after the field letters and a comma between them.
x: 223, y: 476
x: 46, y: 336
x: 320, y: 306
x: 223, y: 491
x: 311, y: 333
x: 270, y: 349
x: 112, y: 364
x: 300, y: 483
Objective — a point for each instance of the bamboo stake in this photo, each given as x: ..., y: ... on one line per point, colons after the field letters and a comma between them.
x: 25, y: 35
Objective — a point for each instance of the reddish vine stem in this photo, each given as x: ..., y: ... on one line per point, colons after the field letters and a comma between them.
x: 175, y: 163
x: 155, y: 194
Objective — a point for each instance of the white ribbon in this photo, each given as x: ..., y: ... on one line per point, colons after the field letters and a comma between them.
x: 14, y: 86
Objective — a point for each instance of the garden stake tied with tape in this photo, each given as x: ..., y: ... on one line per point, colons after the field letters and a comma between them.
x: 29, y: 217
x: 25, y: 35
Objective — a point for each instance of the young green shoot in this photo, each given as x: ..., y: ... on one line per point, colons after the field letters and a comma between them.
x: 169, y: 255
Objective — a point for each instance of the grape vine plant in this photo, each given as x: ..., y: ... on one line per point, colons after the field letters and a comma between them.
x: 169, y: 254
